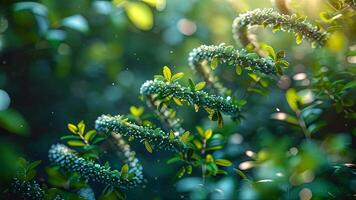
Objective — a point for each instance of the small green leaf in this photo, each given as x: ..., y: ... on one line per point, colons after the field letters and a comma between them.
x: 173, y: 160
x: 171, y: 135
x: 240, y: 173
x: 223, y: 162
x: 200, y: 86
x: 124, y: 170
x: 89, y: 135
x: 177, y: 101
x: 76, y: 143
x: 292, y: 99
x: 177, y: 76
x: 81, y: 127
x: 208, y: 133
x: 298, y: 38
x: 280, y: 55
x: 270, y: 51
x: 191, y: 84
x: 196, y: 107
x: 209, y: 158
x: 238, y: 70
x: 72, y: 128
x: 185, y: 137
x: 70, y: 137
x: 180, y: 172
x: 276, y: 28
x: 136, y: 111
x: 148, y: 146
x: 200, y: 131
x: 167, y: 73
x: 254, y: 76
x: 214, y: 63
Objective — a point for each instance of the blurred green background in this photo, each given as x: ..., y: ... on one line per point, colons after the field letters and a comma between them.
x: 66, y: 61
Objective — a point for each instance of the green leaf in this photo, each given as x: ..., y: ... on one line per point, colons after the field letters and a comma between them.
x: 177, y: 76
x: 185, y: 137
x: 199, y: 86
x: 139, y: 14
x: 70, y: 137
x: 76, y: 143
x: 89, y: 135
x: 181, y: 172
x: 14, y: 122
x: 177, y: 101
x: 208, y: 133
x: 72, y: 128
x: 136, y: 111
x: 292, y: 99
x: 240, y: 173
x: 350, y: 85
x: 33, y: 165
x: 167, y: 73
x: 254, y: 76
x: 191, y: 84
x: 148, y: 146
x: 270, y: 51
x: 238, y: 70
x: 124, y: 170
x: 280, y: 55
x: 276, y: 28
x: 209, y: 158
x: 223, y: 162
x: 200, y: 131
x: 171, y: 135
x: 298, y: 38
x: 173, y: 160
x: 81, y: 127
x: 214, y: 63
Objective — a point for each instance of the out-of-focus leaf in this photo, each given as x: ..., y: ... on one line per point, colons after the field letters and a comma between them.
x: 292, y: 99
x: 177, y: 76
x: 214, y: 63
x: 76, y: 22
x: 136, y: 111
x: 223, y: 162
x: 167, y: 73
x: 199, y: 86
x: 124, y: 170
x: 148, y: 146
x: 298, y: 38
x: 90, y: 135
x: 14, y: 122
x: 140, y: 15
x: 76, y: 143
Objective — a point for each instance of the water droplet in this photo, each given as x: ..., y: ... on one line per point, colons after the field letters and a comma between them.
x: 171, y: 52
x: 277, y: 109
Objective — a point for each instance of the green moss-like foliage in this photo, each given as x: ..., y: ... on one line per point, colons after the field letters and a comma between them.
x: 271, y: 18
x: 199, y: 98
x: 231, y: 56
x: 157, y: 138
x: 29, y: 190
x: 69, y: 160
